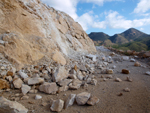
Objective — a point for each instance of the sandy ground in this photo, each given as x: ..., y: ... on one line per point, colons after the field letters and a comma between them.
x: 135, y: 101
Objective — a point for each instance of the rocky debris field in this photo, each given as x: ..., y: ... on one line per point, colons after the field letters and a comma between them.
x: 103, y: 83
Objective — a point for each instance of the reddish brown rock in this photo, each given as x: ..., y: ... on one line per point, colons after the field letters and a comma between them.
x: 4, y: 84
x: 125, y: 71
x: 9, y: 73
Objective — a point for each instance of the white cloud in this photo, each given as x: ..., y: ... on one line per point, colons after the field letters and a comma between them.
x: 142, y: 7
x: 112, y: 20
x: 67, y: 6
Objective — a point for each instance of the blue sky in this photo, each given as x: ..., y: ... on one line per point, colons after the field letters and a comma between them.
x: 108, y: 16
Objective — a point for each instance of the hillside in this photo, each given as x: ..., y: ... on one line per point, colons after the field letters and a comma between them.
x: 130, y: 39
x: 98, y: 36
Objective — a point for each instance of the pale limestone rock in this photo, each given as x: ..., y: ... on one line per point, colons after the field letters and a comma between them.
x: 65, y: 82
x: 94, y: 82
x: 126, y: 58
x: 70, y: 100
x: 37, y: 97
x: 9, y: 78
x: 147, y: 73
x: 57, y: 105
x: 82, y: 98
x: 58, y: 57
x: 132, y: 60
x: 93, y: 100
x: 33, y: 81
x: 50, y: 88
x: 22, y: 74
x: 25, y: 89
x: 109, y: 76
x: 60, y: 74
x: 88, y: 81
x: 64, y: 88
x: 129, y: 79
x: 7, y: 106
x: 92, y: 57
x: 17, y: 83
x: 72, y: 76
x: 118, y: 80
x: 126, y: 89
x: 80, y: 76
x: 75, y: 84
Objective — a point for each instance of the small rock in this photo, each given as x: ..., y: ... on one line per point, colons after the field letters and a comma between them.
x: 50, y: 88
x: 125, y: 71
x: 109, y: 71
x: 57, y: 105
x: 137, y: 64
x: 17, y: 83
x: 80, y: 76
x: 147, y: 73
x: 132, y: 60
x: 34, y: 81
x: 109, y: 76
x: 23, y: 75
x: 25, y: 89
x: 126, y: 90
x: 64, y: 88
x: 114, y: 67
x: 44, y: 104
x: 9, y: 78
x: 94, y: 82
x: 118, y: 80
x: 120, y: 94
x: 9, y: 73
x: 88, y: 81
x: 126, y: 58
x: 34, y: 91
x: 72, y: 76
x: 75, y: 84
x: 25, y: 98
x: 129, y: 79
x: 82, y: 98
x: 93, y: 100
x: 65, y: 82
x: 70, y: 100
x: 37, y: 97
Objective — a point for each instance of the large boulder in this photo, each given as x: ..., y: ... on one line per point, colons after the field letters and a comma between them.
x: 7, y: 106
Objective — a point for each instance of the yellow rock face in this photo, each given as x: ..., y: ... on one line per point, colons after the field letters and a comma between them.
x: 30, y: 31
x: 3, y: 84
x: 58, y: 57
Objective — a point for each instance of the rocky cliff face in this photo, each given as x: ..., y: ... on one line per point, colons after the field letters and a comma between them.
x: 29, y: 31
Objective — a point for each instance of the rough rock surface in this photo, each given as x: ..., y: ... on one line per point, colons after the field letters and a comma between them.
x: 93, y: 100
x: 49, y: 88
x: 70, y: 100
x: 57, y: 105
x: 30, y: 31
x: 82, y: 98
x: 7, y: 106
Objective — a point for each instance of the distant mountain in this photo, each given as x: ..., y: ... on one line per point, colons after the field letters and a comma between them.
x: 122, y: 38
x: 98, y: 36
